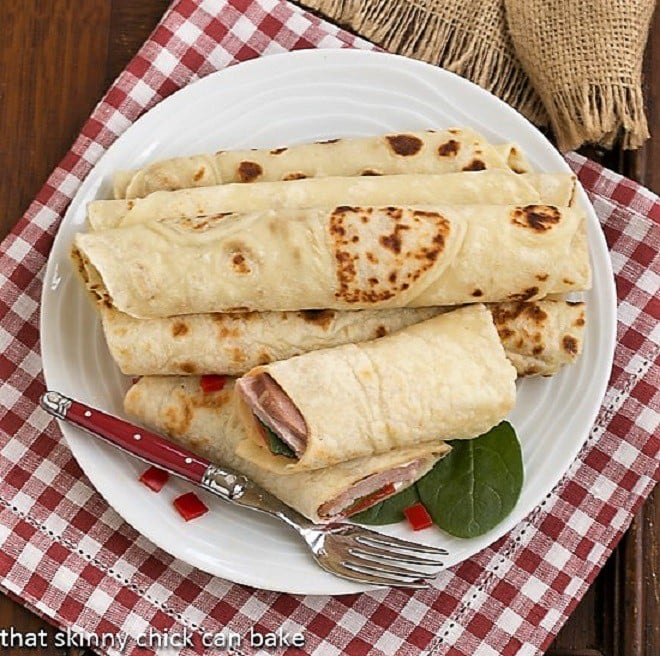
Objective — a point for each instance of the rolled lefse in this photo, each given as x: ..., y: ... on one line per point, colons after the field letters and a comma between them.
x: 444, y: 378
x: 541, y: 336
x: 344, y: 258
x: 494, y: 186
x: 428, y: 151
x: 514, y: 157
x: 207, y: 424
x: 538, y: 336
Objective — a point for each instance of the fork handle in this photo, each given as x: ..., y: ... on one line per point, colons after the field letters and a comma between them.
x: 222, y: 481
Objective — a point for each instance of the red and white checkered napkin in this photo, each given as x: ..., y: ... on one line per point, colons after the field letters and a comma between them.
x: 68, y: 556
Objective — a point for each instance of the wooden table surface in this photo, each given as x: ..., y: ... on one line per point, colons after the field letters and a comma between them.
x: 57, y: 58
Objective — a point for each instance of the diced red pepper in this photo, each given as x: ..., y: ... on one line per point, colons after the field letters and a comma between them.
x: 154, y: 478
x: 189, y: 506
x: 418, y: 517
x: 212, y: 383
x: 370, y: 500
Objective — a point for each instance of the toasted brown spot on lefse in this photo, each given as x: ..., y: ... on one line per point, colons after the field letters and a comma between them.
x: 177, y: 419
x: 568, y: 281
x: 179, y: 328
x: 512, y: 161
x: 249, y: 171
x: 537, y: 350
x: 405, y: 145
x: 570, y: 345
x: 322, y: 318
x: 213, y: 399
x: 381, y: 331
x: 239, y: 264
x: 278, y: 151
x: 538, y: 218
x: 400, y: 245
x: 188, y: 368
x: 506, y: 312
x: 264, y: 357
x: 525, y: 295
x: 393, y: 241
x: 579, y: 322
x: 449, y: 148
x: 237, y: 355
x: 477, y: 292
x: 294, y: 176
x: 130, y: 204
x: 475, y: 165
x: 198, y: 174
x: 370, y: 172
x: 225, y: 331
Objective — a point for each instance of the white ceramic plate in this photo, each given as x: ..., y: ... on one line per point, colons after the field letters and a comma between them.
x: 268, y: 102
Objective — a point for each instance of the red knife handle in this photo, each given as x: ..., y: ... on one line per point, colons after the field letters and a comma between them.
x: 136, y: 440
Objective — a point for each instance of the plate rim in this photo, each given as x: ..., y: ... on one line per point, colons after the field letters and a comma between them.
x: 71, y: 435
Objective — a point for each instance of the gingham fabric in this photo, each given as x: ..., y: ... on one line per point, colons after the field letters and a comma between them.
x: 69, y: 557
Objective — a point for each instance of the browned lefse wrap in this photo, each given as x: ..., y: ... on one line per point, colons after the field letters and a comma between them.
x: 206, y: 423
x: 444, y: 378
x: 428, y: 151
x: 490, y: 186
x: 345, y: 258
x: 538, y: 336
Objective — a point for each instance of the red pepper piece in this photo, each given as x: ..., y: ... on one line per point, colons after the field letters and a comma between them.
x: 189, y: 506
x: 154, y: 478
x: 418, y: 517
x: 370, y: 500
x: 212, y: 383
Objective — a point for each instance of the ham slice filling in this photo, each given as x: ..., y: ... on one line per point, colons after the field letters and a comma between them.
x: 271, y: 405
x: 399, y: 477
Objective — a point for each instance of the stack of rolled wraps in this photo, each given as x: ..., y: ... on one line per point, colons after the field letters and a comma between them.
x: 373, y: 297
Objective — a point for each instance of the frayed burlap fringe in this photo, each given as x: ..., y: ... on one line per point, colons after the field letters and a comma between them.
x: 571, y: 64
x: 598, y: 114
x: 585, y: 60
x: 470, y: 40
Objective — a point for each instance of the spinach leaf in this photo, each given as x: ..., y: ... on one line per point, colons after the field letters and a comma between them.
x: 476, y: 485
x: 469, y: 491
x: 276, y: 445
x: 388, y: 511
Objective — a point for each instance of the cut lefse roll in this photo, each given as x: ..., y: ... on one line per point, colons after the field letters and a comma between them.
x: 345, y: 258
x: 538, y: 336
x: 207, y: 425
x: 444, y: 378
x: 473, y: 187
x: 429, y: 151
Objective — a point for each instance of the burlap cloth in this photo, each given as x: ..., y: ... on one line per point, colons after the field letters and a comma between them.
x: 575, y: 65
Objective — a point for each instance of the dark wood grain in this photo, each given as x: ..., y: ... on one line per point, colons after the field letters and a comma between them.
x: 50, y: 56
x: 56, y: 59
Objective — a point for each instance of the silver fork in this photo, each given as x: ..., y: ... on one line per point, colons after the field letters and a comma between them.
x: 346, y: 550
